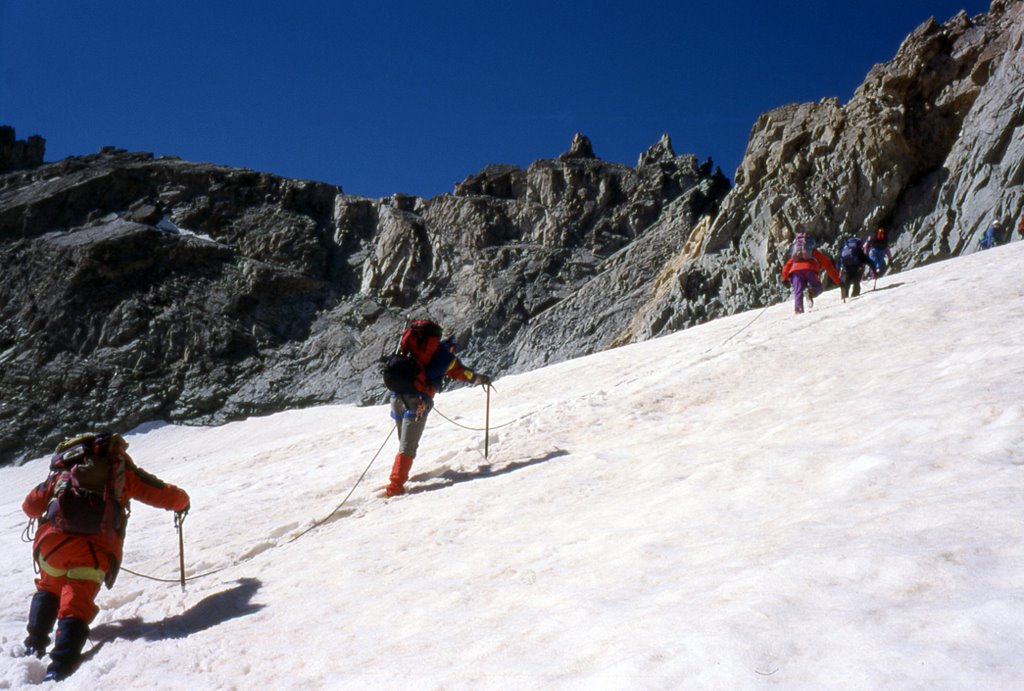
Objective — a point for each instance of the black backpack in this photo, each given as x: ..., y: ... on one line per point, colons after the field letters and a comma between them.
x: 401, y: 370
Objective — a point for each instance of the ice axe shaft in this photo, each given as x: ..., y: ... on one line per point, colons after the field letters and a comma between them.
x: 487, y: 421
x: 178, y: 523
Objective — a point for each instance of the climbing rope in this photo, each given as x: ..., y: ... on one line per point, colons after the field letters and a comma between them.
x: 479, y: 429
x: 756, y: 317
x: 739, y: 331
x: 486, y: 428
x: 316, y: 524
x: 178, y: 580
x: 27, y: 533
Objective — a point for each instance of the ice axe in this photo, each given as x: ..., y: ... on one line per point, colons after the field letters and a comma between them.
x: 487, y: 420
x: 179, y: 520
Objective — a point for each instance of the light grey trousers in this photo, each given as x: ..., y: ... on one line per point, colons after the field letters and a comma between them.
x: 410, y: 428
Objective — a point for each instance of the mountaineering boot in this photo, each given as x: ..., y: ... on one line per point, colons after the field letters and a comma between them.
x: 399, y: 474
x: 42, y: 614
x: 72, y: 633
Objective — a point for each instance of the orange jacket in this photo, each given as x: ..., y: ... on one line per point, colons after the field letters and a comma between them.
x: 818, y: 263
x: 138, y: 484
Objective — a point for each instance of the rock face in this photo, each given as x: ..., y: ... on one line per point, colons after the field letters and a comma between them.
x: 17, y: 154
x: 139, y: 289
x: 931, y: 146
x: 156, y: 289
x: 111, y: 313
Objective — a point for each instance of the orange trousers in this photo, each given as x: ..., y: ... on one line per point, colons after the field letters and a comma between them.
x: 72, y: 569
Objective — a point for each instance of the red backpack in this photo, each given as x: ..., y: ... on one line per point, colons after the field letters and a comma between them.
x: 421, y: 339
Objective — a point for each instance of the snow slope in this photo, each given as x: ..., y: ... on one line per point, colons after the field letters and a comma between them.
x: 830, y: 501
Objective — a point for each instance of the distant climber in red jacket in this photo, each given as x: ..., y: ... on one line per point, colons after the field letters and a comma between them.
x: 82, y: 508
x: 412, y: 395
x: 803, y: 269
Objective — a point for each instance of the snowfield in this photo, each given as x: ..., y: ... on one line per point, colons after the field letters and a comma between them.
x: 825, y: 501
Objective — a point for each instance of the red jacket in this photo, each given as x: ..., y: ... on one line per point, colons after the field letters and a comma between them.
x: 440, y: 363
x: 818, y: 263
x: 435, y: 357
x: 137, y: 484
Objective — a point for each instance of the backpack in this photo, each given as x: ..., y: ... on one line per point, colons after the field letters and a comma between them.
x: 850, y: 254
x: 401, y: 370
x: 803, y: 246
x: 87, y: 487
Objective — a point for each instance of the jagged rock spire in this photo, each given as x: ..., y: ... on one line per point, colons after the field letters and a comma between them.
x: 581, y: 148
x: 662, y: 151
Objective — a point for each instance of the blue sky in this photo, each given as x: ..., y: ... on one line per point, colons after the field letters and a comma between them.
x: 385, y: 97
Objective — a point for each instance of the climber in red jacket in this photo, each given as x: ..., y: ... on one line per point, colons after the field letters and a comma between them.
x: 83, y: 508
x: 803, y: 271
x: 412, y: 398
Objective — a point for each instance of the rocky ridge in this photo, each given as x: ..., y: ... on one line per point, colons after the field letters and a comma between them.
x: 158, y: 289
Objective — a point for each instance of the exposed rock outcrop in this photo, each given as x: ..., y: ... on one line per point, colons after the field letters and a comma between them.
x: 16, y: 154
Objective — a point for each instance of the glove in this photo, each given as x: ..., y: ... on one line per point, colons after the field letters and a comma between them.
x: 481, y: 379
x: 184, y: 512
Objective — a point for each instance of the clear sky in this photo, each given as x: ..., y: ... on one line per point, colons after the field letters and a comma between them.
x: 413, y: 96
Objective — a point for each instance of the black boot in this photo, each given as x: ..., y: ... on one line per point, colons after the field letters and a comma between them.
x: 71, y: 636
x: 41, y: 616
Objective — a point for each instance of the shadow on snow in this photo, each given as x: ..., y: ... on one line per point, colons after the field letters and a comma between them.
x: 209, y: 612
x: 453, y: 477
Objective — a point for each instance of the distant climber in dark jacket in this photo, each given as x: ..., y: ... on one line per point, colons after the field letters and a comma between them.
x: 992, y: 236
x: 852, y: 261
